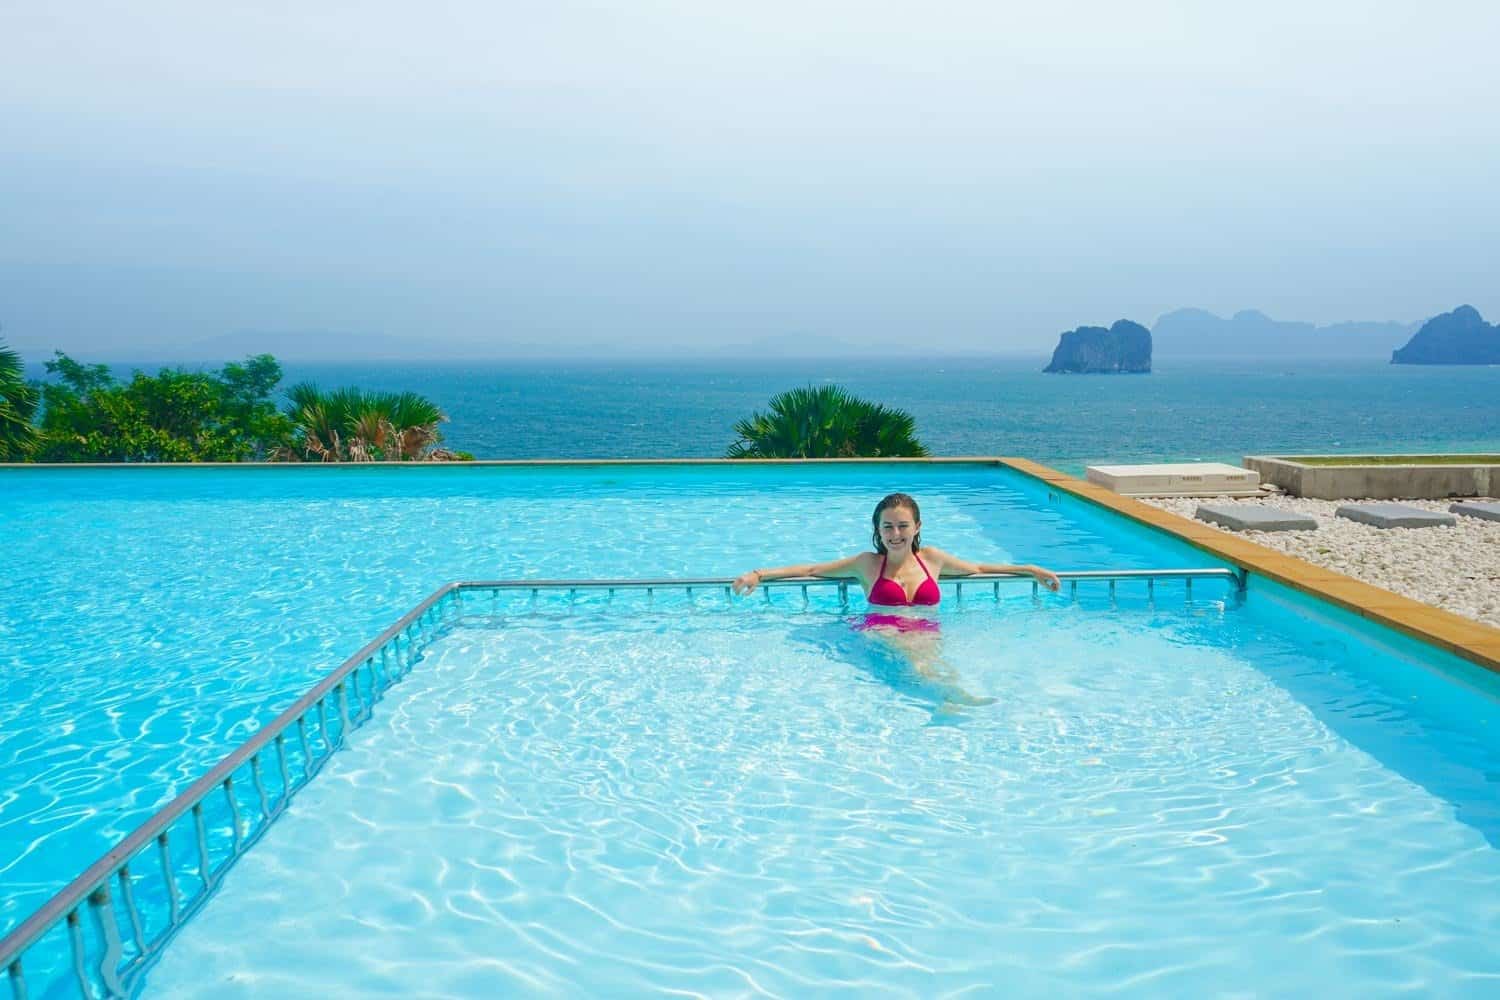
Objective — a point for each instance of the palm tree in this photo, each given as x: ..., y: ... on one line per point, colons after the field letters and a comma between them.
x: 412, y: 421
x: 18, y: 402
x: 348, y: 425
x: 826, y: 422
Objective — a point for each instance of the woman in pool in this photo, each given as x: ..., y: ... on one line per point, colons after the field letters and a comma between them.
x: 895, y: 575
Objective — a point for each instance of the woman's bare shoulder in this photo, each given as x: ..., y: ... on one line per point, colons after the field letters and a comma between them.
x: 939, y: 560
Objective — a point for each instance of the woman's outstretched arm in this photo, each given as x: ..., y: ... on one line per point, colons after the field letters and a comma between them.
x: 950, y: 565
x: 839, y: 568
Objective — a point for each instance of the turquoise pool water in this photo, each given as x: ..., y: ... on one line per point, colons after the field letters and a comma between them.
x: 1170, y: 800
x: 150, y: 619
x: 744, y: 799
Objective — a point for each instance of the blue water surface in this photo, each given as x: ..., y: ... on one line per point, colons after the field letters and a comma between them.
x: 152, y: 618
x: 1096, y: 798
x: 1204, y: 768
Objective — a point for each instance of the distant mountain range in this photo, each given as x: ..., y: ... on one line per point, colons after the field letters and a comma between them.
x: 317, y: 345
x: 1187, y: 334
x: 1194, y: 333
x: 1183, y: 333
x: 330, y: 345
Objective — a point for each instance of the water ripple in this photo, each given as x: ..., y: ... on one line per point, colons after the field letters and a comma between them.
x: 661, y: 805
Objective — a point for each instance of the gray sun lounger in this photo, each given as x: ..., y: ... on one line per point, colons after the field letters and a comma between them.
x: 1253, y: 517
x: 1394, y: 515
x: 1487, y: 511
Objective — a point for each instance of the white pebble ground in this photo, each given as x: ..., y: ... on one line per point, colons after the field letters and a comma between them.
x: 1457, y: 568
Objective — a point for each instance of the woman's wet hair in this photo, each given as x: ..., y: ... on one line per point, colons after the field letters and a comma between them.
x: 896, y: 500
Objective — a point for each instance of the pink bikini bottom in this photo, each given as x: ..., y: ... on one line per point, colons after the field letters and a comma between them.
x: 900, y: 623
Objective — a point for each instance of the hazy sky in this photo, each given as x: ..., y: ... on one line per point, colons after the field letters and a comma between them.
x: 656, y: 177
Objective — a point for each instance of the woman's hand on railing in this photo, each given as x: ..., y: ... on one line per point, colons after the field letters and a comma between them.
x: 1046, y: 578
x: 746, y: 583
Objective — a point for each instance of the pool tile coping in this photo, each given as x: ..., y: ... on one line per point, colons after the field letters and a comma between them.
x: 1474, y: 641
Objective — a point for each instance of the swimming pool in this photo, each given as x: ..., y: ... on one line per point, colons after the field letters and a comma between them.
x: 1203, y: 780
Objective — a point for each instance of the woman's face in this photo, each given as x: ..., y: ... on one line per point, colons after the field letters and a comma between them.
x: 898, y: 526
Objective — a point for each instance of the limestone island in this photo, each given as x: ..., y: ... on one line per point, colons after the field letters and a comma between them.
x: 1460, y: 337
x: 1122, y: 349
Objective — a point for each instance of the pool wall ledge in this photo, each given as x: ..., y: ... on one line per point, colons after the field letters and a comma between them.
x: 1412, y: 481
x: 1474, y: 641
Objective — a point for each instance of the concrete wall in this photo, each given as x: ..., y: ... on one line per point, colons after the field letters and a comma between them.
x: 1376, y: 482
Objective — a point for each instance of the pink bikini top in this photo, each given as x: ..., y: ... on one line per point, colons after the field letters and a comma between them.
x: 890, y: 592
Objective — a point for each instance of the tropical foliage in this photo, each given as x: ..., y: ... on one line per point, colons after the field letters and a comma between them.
x: 18, y: 402
x: 172, y: 416
x: 229, y: 415
x: 349, y: 425
x: 826, y: 422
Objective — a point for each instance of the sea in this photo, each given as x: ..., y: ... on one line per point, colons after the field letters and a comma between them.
x: 1184, y: 410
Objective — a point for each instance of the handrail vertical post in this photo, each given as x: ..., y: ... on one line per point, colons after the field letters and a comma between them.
x: 234, y: 813
x: 174, y: 902
x: 343, y: 699
x: 286, y: 781
x: 260, y: 787
x: 127, y: 893
x: 323, y: 725
x: 17, y: 981
x: 109, y: 932
x: 205, y: 870
x: 306, y: 746
x: 75, y: 944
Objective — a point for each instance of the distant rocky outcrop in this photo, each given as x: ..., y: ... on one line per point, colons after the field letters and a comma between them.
x: 1124, y: 347
x: 1460, y: 337
x: 1249, y: 333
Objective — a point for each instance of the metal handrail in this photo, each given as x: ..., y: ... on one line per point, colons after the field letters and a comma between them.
x: 92, y: 886
x: 1212, y: 573
x: 1072, y: 577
